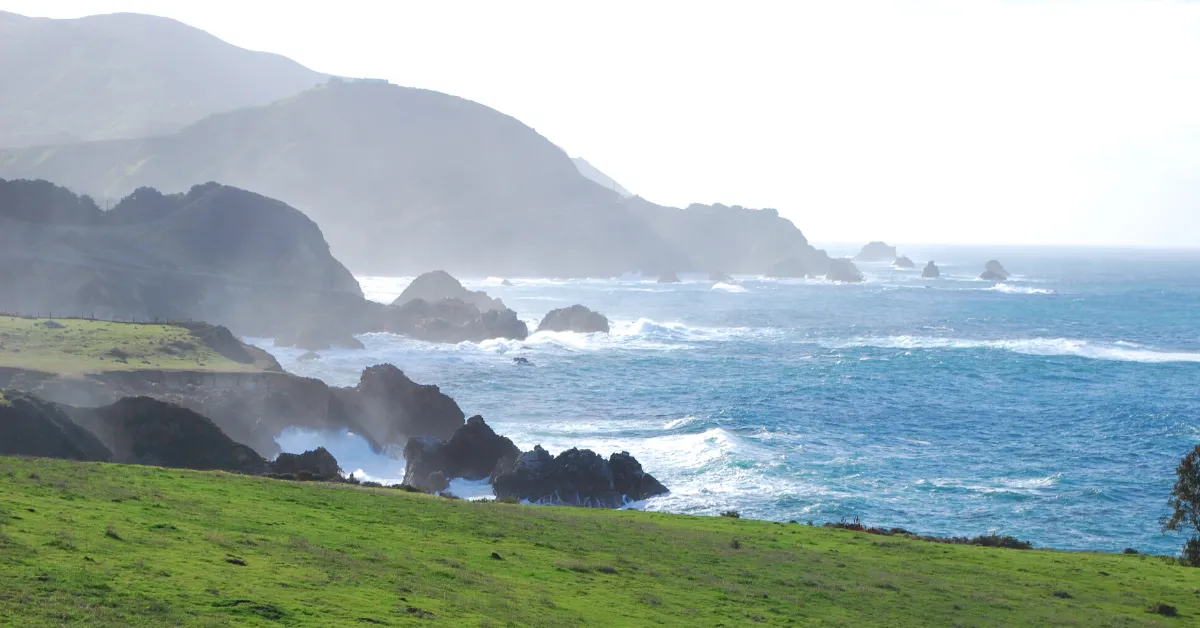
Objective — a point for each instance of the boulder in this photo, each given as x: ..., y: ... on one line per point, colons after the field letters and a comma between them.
x: 472, y: 452
x: 843, y: 270
x: 576, y: 318
x: 318, y: 339
x: 720, y: 277
x: 30, y: 426
x: 931, y: 271
x: 876, y: 252
x: 54, y: 324
x: 438, y: 285
x: 994, y: 271
x: 141, y: 430
x: 904, y: 262
x: 575, y: 478
x: 452, y: 321
x: 670, y: 277
x: 318, y: 464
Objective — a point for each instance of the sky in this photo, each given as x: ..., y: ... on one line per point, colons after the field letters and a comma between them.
x: 968, y: 122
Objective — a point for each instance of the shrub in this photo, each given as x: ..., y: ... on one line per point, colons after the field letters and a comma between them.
x: 1130, y: 550
x: 735, y: 544
x: 1185, y: 506
x: 1166, y: 610
x: 732, y: 514
x: 112, y: 533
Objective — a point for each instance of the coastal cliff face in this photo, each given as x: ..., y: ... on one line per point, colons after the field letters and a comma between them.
x: 216, y: 253
x: 386, y: 407
x: 436, y: 181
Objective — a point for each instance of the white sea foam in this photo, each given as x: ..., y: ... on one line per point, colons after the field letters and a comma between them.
x: 1008, y: 288
x: 1117, y: 351
x: 729, y: 287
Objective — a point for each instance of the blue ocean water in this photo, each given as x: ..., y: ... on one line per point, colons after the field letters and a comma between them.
x: 1053, y: 407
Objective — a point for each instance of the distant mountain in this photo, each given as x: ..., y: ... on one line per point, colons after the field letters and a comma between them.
x: 126, y: 75
x: 592, y: 173
x: 216, y: 253
x: 405, y: 180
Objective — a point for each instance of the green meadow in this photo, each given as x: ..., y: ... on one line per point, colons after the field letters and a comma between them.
x: 110, y: 545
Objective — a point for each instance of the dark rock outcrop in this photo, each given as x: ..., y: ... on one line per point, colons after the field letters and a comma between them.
x: 519, y: 361
x: 843, y: 270
x: 994, y: 271
x: 140, y: 430
x: 575, y: 477
x: 904, y: 262
x: 452, y: 321
x: 30, y: 426
x: 576, y: 318
x: 670, y: 277
x: 931, y: 271
x: 318, y: 339
x: 472, y: 452
x: 437, y: 285
x: 876, y: 252
x: 317, y: 464
x: 386, y: 408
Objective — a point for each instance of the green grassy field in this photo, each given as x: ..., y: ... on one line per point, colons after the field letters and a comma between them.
x: 110, y: 545
x: 86, y: 346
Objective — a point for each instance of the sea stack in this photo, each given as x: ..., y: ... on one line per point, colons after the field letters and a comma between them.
x: 994, y: 271
x: 668, y: 278
x: 876, y: 252
x: 843, y: 270
x: 904, y: 262
x: 931, y: 271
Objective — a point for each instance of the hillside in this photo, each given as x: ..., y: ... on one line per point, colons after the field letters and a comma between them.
x: 118, y: 545
x: 72, y: 346
x: 593, y: 174
x: 214, y: 253
x: 124, y: 76
x: 405, y: 180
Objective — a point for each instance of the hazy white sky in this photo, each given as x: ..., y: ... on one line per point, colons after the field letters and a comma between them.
x: 921, y: 122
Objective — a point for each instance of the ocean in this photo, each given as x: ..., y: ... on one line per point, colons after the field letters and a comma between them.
x: 1053, y: 407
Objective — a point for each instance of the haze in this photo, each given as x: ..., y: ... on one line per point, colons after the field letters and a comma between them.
x: 929, y: 122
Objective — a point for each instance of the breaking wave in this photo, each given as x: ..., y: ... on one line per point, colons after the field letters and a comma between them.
x: 1117, y: 351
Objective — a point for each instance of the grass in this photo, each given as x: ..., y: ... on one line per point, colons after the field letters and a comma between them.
x: 87, y: 346
x: 110, y: 545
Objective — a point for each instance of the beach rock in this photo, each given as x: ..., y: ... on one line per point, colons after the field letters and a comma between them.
x: 141, y: 430
x: 439, y: 284
x: 843, y: 270
x: 994, y: 271
x: 30, y: 426
x: 904, y: 262
x: 630, y: 480
x: 668, y: 278
x: 931, y: 271
x: 576, y: 318
x: 453, y: 321
x: 575, y: 478
x: 720, y: 277
x: 472, y: 452
x: 876, y: 252
x: 318, y: 339
x: 318, y: 463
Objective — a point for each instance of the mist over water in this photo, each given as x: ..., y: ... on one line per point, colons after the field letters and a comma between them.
x: 1053, y: 407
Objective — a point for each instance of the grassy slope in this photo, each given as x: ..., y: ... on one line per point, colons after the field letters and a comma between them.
x: 86, y: 345
x: 117, y: 545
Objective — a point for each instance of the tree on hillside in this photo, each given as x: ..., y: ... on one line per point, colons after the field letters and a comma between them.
x: 1185, y: 502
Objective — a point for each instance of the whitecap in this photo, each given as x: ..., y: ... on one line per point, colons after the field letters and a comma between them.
x: 1116, y: 351
x: 1008, y: 288
x: 729, y: 287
